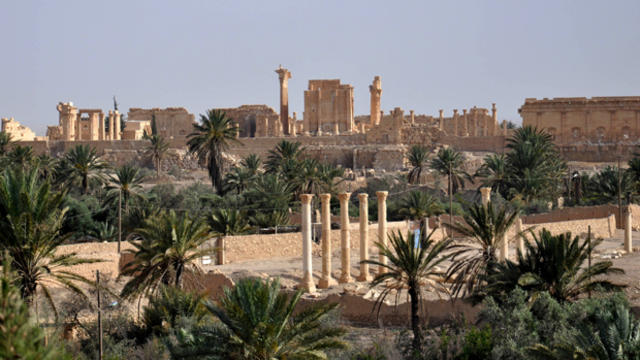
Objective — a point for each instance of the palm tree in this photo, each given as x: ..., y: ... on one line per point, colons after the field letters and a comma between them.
x: 603, y: 186
x: 283, y: 152
x: 316, y: 178
x: 20, y: 156
x: 485, y: 226
x: 269, y: 193
x: 494, y: 173
x: 258, y: 322
x: 419, y: 159
x: 270, y: 218
x: 417, y: 205
x: 209, y: 140
x: 252, y: 164
x: 413, y: 267
x: 82, y: 163
x: 614, y: 335
x: 5, y: 141
x: 169, y: 306
x: 31, y: 219
x: 156, y: 150
x: 126, y: 182
x: 634, y: 171
x: 449, y: 162
x: 169, y: 246
x: 223, y: 223
x: 556, y: 264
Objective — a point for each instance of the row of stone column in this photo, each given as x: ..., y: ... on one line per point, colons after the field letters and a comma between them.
x: 326, y: 278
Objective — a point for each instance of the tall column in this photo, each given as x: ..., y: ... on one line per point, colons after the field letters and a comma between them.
x: 412, y: 116
x: 441, y: 119
x: 101, y: 127
x: 494, y: 120
x: 504, y: 127
x: 455, y: 122
x: 116, y: 126
x: 307, y: 270
x: 111, y: 125
x: 382, y: 226
x: 292, y: 126
x: 284, y: 75
x: 376, y: 92
x: 345, y: 238
x: 468, y: 129
x: 363, y: 200
x: 94, y: 124
x: 628, y: 242
x: 486, y: 195
x: 519, y: 234
x: 326, y: 280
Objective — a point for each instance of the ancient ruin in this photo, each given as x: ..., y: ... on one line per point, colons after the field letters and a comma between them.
x: 17, y: 131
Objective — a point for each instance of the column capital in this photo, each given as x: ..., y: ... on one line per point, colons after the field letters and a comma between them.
x: 363, y: 196
x: 325, y: 197
x: 485, y: 190
x: 345, y: 196
x: 382, y: 194
x: 306, y: 198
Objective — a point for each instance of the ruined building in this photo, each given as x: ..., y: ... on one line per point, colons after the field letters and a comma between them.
x: 84, y: 124
x: 328, y: 107
x: 585, y: 121
x: 17, y: 131
x: 171, y: 123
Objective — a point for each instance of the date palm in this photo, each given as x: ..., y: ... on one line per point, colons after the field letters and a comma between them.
x: 20, y: 156
x: 449, y: 162
x: 555, y: 264
x: 417, y: 205
x: 418, y: 157
x: 493, y: 173
x: 82, y: 163
x: 413, y: 267
x: 240, y: 178
x: 126, y: 181
x: 31, y: 218
x: 259, y: 323
x: 223, y: 223
x: 5, y: 141
x: 284, y: 152
x: 210, y: 138
x: 169, y: 246
x: 156, y: 150
x: 472, y: 262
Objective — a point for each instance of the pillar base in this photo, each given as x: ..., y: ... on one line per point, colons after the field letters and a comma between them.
x: 365, y: 277
x: 327, y: 283
x: 345, y: 279
x: 307, y: 283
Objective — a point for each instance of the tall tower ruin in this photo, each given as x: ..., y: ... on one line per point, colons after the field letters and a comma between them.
x: 284, y: 75
x: 376, y: 93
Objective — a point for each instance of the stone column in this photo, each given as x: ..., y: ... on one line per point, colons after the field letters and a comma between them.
x: 326, y: 280
x: 560, y: 202
x: 93, y: 126
x: 382, y: 226
x: 486, y: 195
x: 345, y: 238
x: 468, y: 130
x: 441, y: 119
x: 116, y: 126
x: 110, y: 125
x: 628, y: 242
x: 518, y: 232
x: 504, y: 127
x: 376, y: 92
x: 307, y: 269
x: 336, y: 129
x: 504, y: 248
x: 101, y: 127
x: 364, y: 236
x: 494, y: 119
x: 412, y: 116
x: 293, y: 131
x: 455, y: 122
x: 284, y: 75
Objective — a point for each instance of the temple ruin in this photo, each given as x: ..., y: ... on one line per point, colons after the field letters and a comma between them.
x: 17, y: 131
x: 84, y: 124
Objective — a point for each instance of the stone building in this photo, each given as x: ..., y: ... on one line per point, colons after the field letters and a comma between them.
x: 171, y: 123
x: 581, y: 120
x: 328, y: 107
x: 84, y: 124
x: 255, y: 120
x: 17, y: 131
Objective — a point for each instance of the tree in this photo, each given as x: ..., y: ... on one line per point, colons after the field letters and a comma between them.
x: 223, y: 223
x: 156, y: 150
x: 169, y: 246
x: 284, y: 151
x: 126, y: 181
x: 417, y: 205
x: 258, y: 322
x: 20, y: 156
x: 449, y: 162
x: 210, y: 138
x: 494, y: 173
x: 556, y: 264
x: 31, y: 218
x: 239, y: 178
x: 603, y: 186
x: 169, y: 306
x: 419, y: 159
x: 5, y: 141
x: 472, y: 262
x: 82, y: 163
x: 20, y: 338
x: 408, y: 267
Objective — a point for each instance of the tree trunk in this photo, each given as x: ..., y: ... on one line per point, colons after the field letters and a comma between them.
x: 415, y: 318
x: 85, y: 185
x: 220, y: 251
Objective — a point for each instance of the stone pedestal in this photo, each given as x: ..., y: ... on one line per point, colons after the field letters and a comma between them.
x: 486, y: 195
x: 628, y: 242
x: 363, y: 200
x: 345, y: 238
x: 382, y: 226
x: 560, y: 202
x: 307, y: 270
x: 326, y: 280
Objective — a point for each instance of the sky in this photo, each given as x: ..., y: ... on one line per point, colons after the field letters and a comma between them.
x: 207, y: 54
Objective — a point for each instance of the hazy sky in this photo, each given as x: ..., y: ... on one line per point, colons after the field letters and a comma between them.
x: 204, y: 54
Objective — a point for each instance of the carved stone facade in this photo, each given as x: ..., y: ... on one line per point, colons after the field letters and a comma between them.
x: 328, y: 107
x: 255, y: 120
x: 17, y: 131
x: 171, y: 123
x: 585, y: 121
x: 84, y: 124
